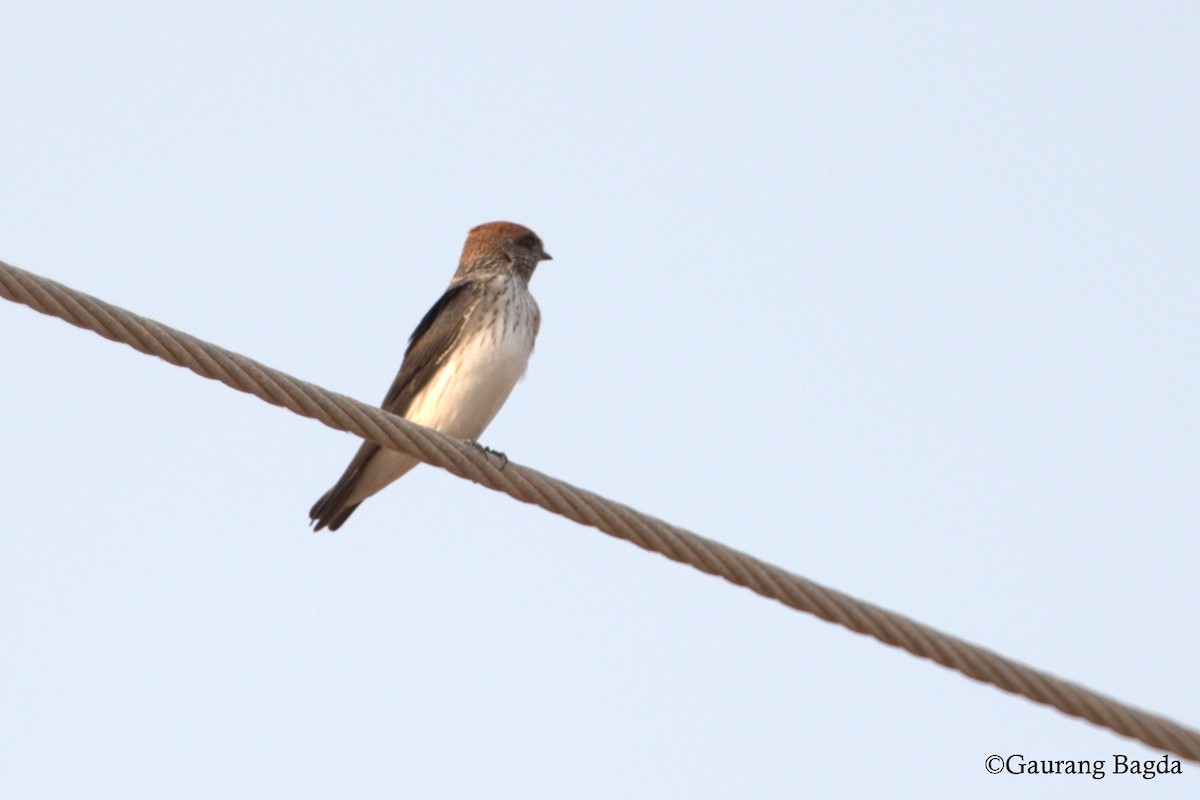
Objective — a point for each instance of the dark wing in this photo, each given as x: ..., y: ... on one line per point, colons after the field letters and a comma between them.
x: 429, y: 344
x: 428, y: 347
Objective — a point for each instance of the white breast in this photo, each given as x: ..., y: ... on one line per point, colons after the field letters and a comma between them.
x: 467, y: 392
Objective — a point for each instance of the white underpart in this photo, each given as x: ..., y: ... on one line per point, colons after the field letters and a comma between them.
x: 467, y: 392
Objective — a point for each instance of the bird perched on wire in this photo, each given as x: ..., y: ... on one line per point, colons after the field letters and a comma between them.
x: 462, y: 361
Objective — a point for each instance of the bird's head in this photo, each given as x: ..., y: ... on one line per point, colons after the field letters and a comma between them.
x: 502, y: 246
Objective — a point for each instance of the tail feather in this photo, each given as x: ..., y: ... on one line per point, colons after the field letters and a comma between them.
x: 335, y: 506
x: 329, y: 511
x: 370, y: 470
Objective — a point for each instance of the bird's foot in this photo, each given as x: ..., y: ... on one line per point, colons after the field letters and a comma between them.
x: 489, y: 451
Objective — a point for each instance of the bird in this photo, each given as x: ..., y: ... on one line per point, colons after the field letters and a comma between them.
x: 461, y: 363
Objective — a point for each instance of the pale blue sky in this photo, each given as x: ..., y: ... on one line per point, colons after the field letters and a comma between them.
x: 902, y: 297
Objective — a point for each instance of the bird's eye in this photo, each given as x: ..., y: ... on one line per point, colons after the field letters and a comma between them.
x: 527, y: 242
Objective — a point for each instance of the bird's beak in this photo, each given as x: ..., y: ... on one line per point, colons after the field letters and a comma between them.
x: 546, y: 257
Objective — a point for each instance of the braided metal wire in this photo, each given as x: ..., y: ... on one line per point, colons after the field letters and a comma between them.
x: 530, y: 486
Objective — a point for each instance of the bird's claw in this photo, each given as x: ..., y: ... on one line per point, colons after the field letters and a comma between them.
x: 489, y: 451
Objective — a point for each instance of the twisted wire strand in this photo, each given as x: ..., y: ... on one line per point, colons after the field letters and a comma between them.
x: 530, y: 486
